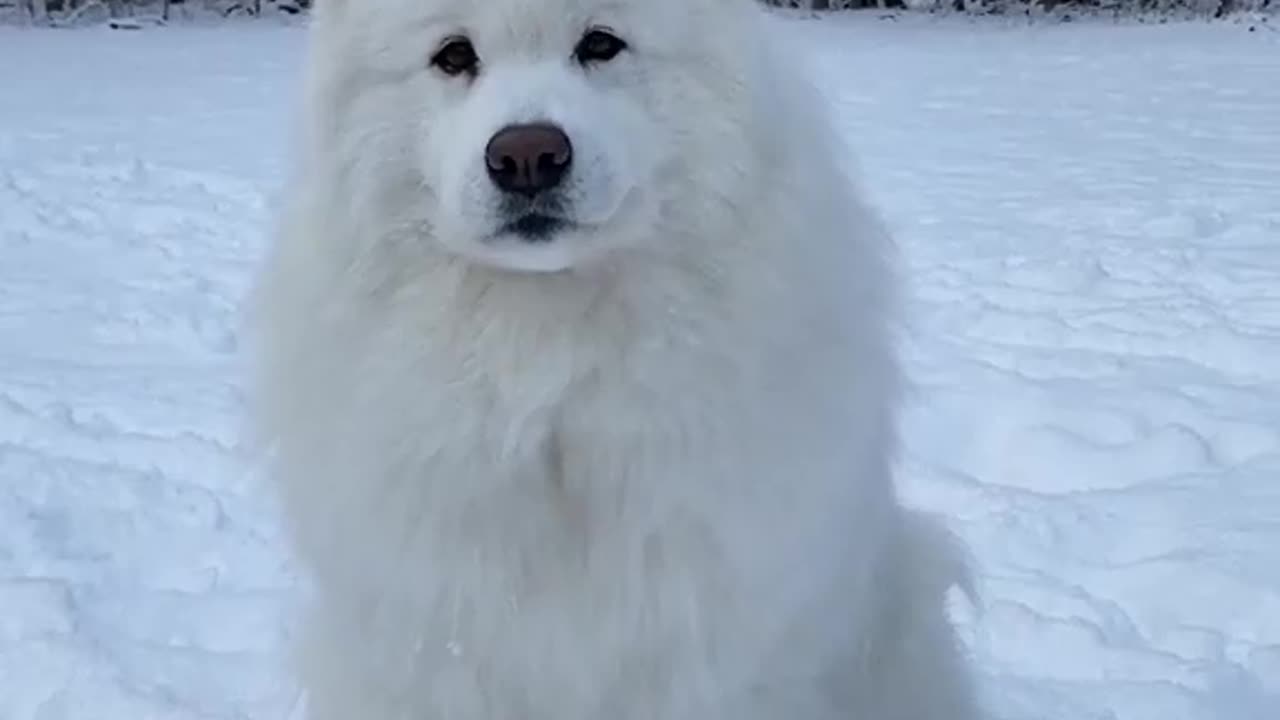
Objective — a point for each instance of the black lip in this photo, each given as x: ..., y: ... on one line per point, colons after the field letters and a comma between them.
x: 536, y: 227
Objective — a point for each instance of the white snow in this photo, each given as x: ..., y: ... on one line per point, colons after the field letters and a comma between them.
x: 1090, y: 222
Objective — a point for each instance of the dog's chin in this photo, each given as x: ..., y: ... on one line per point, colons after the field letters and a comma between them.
x: 531, y: 243
x: 526, y: 258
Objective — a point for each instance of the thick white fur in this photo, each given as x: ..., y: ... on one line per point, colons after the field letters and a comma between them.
x: 641, y: 472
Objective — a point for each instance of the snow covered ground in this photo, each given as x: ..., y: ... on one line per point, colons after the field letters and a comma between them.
x: 1090, y: 218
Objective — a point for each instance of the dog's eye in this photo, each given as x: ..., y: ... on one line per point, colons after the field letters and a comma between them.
x: 598, y: 46
x: 456, y: 57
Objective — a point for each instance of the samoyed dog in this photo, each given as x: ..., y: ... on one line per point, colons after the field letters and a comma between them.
x: 576, y: 366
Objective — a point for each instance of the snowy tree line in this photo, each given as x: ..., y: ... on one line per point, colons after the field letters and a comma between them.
x: 1032, y: 7
x: 71, y: 11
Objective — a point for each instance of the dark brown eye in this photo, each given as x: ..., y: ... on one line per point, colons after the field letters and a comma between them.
x: 598, y: 46
x: 456, y: 57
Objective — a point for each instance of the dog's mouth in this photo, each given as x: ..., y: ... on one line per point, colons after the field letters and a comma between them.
x: 535, y: 227
x: 534, y: 220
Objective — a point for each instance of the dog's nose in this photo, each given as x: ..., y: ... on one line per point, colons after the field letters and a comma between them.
x: 528, y: 159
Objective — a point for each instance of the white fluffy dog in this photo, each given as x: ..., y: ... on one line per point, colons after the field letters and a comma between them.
x: 576, y: 366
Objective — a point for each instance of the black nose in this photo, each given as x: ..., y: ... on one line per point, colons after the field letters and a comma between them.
x: 528, y: 159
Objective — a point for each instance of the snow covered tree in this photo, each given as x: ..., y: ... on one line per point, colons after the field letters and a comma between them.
x: 39, y: 10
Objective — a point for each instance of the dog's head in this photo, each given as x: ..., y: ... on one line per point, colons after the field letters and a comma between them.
x: 532, y: 135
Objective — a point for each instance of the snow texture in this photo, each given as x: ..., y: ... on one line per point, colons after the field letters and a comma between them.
x: 1090, y: 221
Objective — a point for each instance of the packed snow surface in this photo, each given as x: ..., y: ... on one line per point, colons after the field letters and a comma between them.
x: 1090, y: 223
